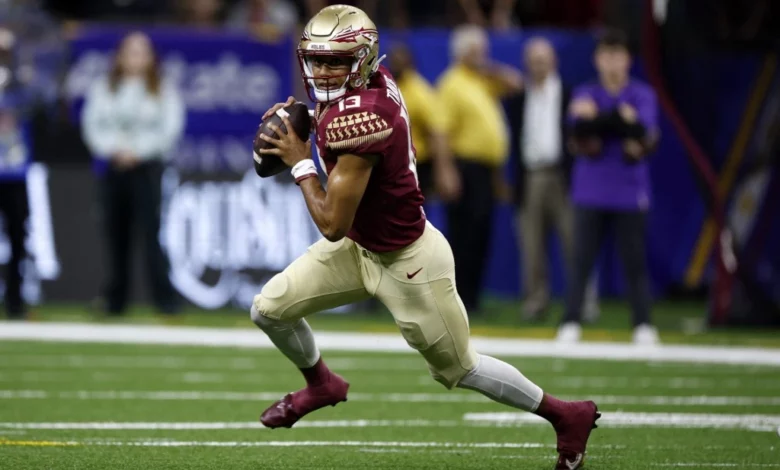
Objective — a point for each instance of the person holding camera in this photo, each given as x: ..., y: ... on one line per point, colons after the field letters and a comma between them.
x: 614, y: 126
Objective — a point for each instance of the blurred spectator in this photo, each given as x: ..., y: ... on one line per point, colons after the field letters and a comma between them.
x: 41, y: 59
x: 571, y: 14
x: 718, y: 24
x: 111, y: 10
x: 470, y: 91
x: 746, y: 23
x: 615, y: 126
x: 537, y: 121
x: 40, y: 50
x: 625, y: 15
x: 495, y: 14
x: 369, y: 6
x: 435, y: 166
x: 200, y: 13
x: 132, y: 120
x: 266, y: 19
x: 14, y: 161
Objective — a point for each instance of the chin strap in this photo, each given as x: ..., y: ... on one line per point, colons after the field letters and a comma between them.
x: 379, y: 61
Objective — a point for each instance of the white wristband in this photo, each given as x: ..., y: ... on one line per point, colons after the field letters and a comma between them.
x: 304, y: 168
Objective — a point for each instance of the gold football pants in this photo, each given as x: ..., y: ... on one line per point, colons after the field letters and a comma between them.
x: 416, y: 283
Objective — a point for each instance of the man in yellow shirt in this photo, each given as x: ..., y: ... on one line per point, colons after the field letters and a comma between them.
x: 470, y: 91
x: 435, y: 166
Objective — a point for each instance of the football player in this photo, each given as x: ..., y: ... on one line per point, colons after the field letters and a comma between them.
x: 377, y: 241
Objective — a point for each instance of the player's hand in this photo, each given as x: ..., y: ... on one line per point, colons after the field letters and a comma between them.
x: 289, y: 147
x: 627, y: 112
x: 277, y: 107
x: 447, y: 182
x: 584, y: 108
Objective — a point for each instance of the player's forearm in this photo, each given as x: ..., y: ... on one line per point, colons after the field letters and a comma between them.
x: 317, y: 202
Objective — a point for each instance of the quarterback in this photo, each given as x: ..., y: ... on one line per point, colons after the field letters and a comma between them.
x: 377, y: 241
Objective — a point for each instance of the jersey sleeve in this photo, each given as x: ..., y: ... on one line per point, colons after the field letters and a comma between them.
x: 363, y: 129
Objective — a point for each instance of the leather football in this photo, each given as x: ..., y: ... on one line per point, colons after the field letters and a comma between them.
x: 298, y: 115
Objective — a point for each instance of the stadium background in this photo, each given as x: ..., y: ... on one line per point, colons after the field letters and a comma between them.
x: 79, y: 390
x: 718, y: 100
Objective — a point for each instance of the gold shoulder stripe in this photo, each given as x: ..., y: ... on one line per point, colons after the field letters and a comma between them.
x: 356, y: 129
x: 360, y: 140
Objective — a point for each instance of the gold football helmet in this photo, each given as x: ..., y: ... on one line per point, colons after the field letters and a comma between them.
x: 343, y: 31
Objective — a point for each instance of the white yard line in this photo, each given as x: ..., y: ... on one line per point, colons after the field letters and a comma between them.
x: 753, y: 422
x: 227, y: 337
x: 366, y: 444
x: 238, y: 364
x: 452, y: 397
x: 188, y: 426
x: 702, y: 400
x: 54, y: 368
x: 608, y: 419
x: 679, y: 383
x: 89, y: 374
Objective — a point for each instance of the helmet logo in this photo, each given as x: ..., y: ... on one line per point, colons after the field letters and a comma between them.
x: 350, y: 35
x: 314, y: 46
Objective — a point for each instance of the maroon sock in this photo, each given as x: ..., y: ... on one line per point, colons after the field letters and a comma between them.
x: 551, y: 409
x: 317, y: 374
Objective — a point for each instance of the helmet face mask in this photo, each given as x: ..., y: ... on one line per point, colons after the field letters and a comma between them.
x: 345, y: 74
x: 342, y: 32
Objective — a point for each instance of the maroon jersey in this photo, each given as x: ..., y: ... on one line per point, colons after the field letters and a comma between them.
x: 374, y: 121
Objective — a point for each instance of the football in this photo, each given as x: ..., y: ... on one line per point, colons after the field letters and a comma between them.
x: 298, y: 115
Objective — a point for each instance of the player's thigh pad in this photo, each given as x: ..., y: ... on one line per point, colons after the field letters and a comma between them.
x: 326, y: 276
x: 427, y: 308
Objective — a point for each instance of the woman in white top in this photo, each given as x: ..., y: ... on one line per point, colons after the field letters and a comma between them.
x: 132, y: 120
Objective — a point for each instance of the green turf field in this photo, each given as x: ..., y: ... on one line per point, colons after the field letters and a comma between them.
x: 103, y: 406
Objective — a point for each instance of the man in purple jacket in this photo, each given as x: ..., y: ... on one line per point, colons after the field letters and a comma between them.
x: 614, y: 125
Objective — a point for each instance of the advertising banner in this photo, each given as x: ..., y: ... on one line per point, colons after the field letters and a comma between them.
x: 225, y: 230
x: 225, y: 234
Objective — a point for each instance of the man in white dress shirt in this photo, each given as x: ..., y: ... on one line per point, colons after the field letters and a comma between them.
x: 541, y: 196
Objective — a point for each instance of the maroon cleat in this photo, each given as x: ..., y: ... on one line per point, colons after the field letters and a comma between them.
x: 294, y: 406
x: 573, y: 431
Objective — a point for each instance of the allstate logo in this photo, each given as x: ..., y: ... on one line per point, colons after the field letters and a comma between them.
x: 224, y: 84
